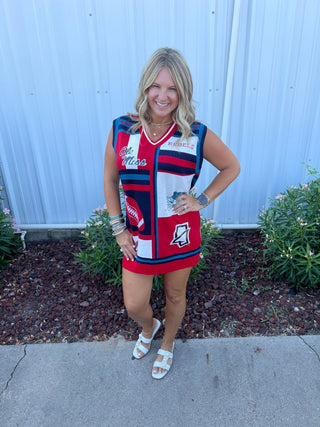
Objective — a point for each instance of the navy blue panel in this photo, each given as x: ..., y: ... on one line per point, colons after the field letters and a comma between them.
x: 142, y: 199
x: 168, y: 258
x: 180, y: 155
x: 135, y: 176
x: 180, y: 170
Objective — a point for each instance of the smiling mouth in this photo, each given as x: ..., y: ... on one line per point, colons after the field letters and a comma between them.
x: 161, y: 105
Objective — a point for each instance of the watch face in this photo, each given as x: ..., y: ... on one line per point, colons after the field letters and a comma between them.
x: 202, y: 199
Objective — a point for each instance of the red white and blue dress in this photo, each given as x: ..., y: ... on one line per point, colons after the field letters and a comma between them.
x: 152, y: 175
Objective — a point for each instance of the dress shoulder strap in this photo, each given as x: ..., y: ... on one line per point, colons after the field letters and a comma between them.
x: 121, y: 124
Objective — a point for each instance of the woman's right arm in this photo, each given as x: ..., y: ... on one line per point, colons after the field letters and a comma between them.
x: 111, y: 179
x: 112, y: 197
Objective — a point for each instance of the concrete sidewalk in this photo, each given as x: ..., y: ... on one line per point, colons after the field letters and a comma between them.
x: 257, y: 381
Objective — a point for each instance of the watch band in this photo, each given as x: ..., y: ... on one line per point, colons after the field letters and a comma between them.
x: 203, y: 199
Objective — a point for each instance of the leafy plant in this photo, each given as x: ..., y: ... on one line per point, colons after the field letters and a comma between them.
x: 102, y: 257
x: 290, y: 227
x: 208, y: 233
x: 9, y: 239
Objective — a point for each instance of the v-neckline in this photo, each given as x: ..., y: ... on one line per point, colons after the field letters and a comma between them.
x: 160, y: 140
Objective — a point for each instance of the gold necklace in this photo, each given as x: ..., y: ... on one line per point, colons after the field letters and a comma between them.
x: 159, y: 125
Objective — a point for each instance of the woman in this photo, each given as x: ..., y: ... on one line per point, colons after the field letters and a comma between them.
x: 158, y: 154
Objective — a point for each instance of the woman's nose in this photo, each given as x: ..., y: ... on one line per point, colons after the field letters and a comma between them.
x: 162, y: 96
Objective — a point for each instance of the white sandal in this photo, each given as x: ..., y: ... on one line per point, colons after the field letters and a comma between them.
x: 163, y: 364
x: 145, y: 340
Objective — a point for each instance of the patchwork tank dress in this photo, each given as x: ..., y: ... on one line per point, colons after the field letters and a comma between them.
x: 153, y: 174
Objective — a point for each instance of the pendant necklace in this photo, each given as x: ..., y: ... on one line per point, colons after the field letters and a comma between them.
x: 159, y: 125
x: 162, y: 138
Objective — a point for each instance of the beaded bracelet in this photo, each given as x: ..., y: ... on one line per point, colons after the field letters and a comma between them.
x: 117, y: 226
x: 115, y: 221
x: 119, y: 232
x: 116, y: 216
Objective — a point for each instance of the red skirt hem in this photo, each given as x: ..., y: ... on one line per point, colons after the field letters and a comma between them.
x: 137, y: 267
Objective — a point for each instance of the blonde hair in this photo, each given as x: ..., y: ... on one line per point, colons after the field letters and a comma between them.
x: 184, y: 114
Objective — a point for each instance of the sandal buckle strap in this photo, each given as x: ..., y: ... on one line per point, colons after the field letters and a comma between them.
x: 165, y: 353
x: 144, y: 350
x: 163, y: 364
x: 144, y: 339
x: 140, y: 347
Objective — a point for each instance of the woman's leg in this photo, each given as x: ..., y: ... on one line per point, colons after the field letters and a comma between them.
x: 136, y: 294
x: 175, y: 284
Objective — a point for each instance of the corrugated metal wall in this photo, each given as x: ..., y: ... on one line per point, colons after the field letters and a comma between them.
x: 69, y: 67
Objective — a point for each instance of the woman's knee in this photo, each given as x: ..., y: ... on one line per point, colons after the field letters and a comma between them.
x: 175, y: 297
x: 134, y: 308
x: 136, y: 293
x: 175, y: 284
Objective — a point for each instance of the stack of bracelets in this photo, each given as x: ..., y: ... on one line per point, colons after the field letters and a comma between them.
x: 117, y: 224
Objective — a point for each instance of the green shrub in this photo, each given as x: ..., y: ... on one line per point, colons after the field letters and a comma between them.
x: 9, y: 239
x: 102, y: 257
x: 291, y: 232
x: 208, y: 233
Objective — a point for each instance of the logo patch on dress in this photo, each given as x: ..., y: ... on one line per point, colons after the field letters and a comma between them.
x: 181, y: 235
x: 171, y: 201
x: 129, y: 159
x: 134, y: 213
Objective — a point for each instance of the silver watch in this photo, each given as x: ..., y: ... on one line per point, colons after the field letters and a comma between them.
x: 203, y: 199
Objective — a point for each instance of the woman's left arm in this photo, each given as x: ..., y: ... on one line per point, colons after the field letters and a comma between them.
x: 221, y: 157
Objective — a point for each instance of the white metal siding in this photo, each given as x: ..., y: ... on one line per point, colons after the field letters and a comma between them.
x: 275, y: 114
x: 68, y: 68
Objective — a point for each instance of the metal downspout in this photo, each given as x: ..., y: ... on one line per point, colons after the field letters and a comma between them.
x: 229, y: 89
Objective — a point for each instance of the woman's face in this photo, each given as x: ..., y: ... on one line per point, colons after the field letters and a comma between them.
x: 163, y: 97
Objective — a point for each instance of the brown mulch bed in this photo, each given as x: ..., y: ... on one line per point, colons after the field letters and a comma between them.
x: 44, y: 297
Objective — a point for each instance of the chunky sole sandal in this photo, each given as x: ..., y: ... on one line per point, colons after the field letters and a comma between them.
x: 163, y: 364
x: 145, y: 340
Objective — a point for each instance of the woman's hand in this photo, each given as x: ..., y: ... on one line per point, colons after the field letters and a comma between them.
x: 127, y: 245
x: 186, y: 203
